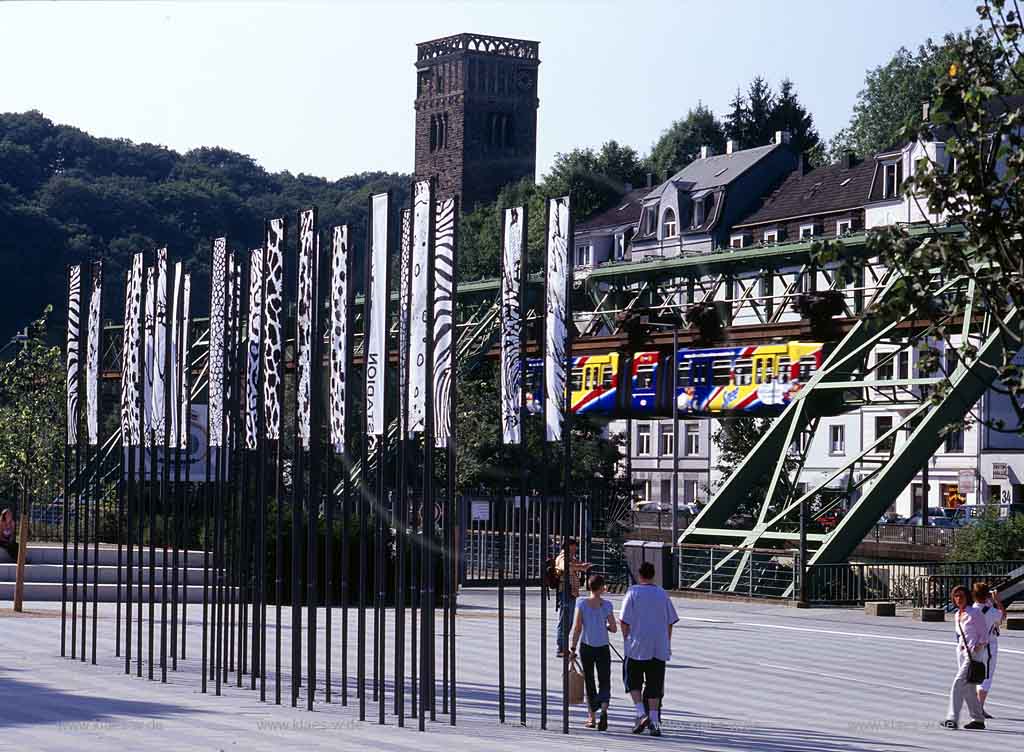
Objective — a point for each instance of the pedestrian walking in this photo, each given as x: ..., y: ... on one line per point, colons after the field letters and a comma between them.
x: 567, y: 600
x: 647, y: 617
x: 972, y: 637
x: 595, y: 618
x: 7, y: 534
x: 991, y: 610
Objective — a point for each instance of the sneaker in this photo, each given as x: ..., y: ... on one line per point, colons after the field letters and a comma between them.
x: 602, y: 722
x: 948, y: 724
x: 655, y: 729
x: 975, y: 726
x: 641, y: 724
x: 987, y: 716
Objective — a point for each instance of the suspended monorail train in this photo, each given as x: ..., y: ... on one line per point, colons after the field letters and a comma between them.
x: 721, y: 381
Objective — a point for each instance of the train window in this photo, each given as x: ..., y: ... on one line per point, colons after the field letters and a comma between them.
x: 764, y: 370
x: 606, y: 377
x: 576, y: 382
x: 784, y: 369
x: 644, y: 376
x: 807, y: 367
x: 742, y: 370
x: 720, y: 372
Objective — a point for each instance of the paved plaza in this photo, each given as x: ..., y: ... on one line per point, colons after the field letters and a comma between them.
x: 742, y: 677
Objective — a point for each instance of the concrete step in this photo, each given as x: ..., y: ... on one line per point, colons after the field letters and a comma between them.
x: 106, y: 574
x: 51, y: 591
x: 53, y: 553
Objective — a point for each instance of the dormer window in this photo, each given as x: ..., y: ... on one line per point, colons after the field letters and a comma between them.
x: 843, y: 226
x: 770, y: 237
x: 741, y: 240
x: 583, y: 255
x: 650, y: 220
x: 668, y: 224
x: 807, y: 232
x: 892, y: 178
x: 702, y: 210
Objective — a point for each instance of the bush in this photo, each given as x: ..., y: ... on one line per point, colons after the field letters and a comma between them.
x: 990, y: 539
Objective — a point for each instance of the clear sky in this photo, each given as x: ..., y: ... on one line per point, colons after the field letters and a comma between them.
x: 327, y: 88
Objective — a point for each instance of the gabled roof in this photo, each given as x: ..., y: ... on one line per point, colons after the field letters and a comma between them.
x: 625, y: 211
x: 822, y: 191
x: 713, y: 172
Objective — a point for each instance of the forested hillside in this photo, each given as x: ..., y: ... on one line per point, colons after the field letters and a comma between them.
x: 68, y: 197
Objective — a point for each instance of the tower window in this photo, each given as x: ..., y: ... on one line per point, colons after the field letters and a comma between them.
x: 438, y: 131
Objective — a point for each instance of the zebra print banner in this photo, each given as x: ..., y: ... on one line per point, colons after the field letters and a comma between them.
x: 175, y: 365
x: 233, y: 345
x: 422, y: 203
x: 305, y: 319
x: 218, y: 309
x: 512, y: 326
x: 444, y: 322
x: 159, y: 350
x: 340, y: 305
x: 376, y: 322
x: 186, y: 322
x: 147, y: 385
x: 252, y: 361
x: 273, y: 337
x: 92, y: 357
x: 71, y: 380
x: 131, y: 420
x: 405, y: 261
x: 556, y: 281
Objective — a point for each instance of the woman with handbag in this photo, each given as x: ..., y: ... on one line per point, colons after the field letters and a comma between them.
x: 595, y: 618
x: 972, y: 637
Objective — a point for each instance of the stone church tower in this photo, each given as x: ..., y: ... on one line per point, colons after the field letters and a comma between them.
x: 476, y: 114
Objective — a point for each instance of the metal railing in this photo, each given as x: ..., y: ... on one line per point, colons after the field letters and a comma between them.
x: 727, y: 570
x: 913, y: 535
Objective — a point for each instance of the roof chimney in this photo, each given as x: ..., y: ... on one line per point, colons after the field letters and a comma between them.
x: 782, y: 137
x: 706, y: 151
x: 650, y: 179
x: 730, y: 146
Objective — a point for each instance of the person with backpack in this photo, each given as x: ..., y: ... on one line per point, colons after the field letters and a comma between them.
x: 972, y: 637
x: 647, y: 617
x: 991, y: 610
x: 595, y: 618
x: 566, y: 602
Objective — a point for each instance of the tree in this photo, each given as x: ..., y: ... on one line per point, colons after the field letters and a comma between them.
x: 893, y: 94
x: 680, y: 143
x: 761, y: 107
x: 976, y: 109
x: 737, y: 122
x: 789, y: 114
x: 990, y: 539
x: 735, y: 439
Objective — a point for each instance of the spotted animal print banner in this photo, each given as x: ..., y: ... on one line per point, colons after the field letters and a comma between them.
x: 341, y: 302
x: 444, y: 321
x: 512, y: 326
x: 305, y: 320
x: 417, y: 385
x: 72, y: 352
x: 218, y: 311
x: 273, y: 336
x: 92, y: 357
x: 556, y: 281
x: 252, y: 351
x: 131, y: 423
x: 148, y: 376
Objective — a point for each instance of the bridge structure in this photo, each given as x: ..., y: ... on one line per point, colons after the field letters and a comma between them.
x: 760, y: 295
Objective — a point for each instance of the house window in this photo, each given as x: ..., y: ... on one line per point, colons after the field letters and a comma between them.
x: 739, y: 241
x: 806, y: 232
x: 667, y: 439
x: 801, y: 442
x: 903, y: 365
x: 844, y: 226
x: 770, y: 236
x: 917, y: 498
x: 955, y: 441
x: 689, y: 490
x: 651, y: 222
x: 583, y: 257
x: 666, y: 491
x: 643, y: 438
x: 642, y: 489
x: 883, y: 371
x: 668, y: 224
x: 620, y: 246
x: 837, y: 439
x: 692, y: 439
x: 892, y: 177
x: 883, y: 424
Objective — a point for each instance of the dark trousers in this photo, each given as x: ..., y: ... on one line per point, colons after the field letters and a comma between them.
x: 599, y: 658
x: 567, y: 610
x: 11, y: 549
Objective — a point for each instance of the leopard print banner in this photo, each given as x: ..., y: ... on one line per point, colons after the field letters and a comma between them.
x: 92, y: 361
x: 72, y: 352
x: 273, y: 336
x: 305, y: 321
x: 131, y: 422
x: 341, y: 303
x: 147, y: 386
x: 252, y: 353
x: 218, y: 310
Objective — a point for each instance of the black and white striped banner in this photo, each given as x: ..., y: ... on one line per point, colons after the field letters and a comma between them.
x: 253, y: 355
x: 512, y: 326
x: 157, y: 415
x: 131, y: 423
x: 73, y: 335
x: 341, y: 302
x: 218, y: 311
x: 305, y: 320
x: 417, y: 382
x: 376, y: 321
x: 556, y: 281
x: 92, y: 356
x: 273, y: 332
x: 444, y: 321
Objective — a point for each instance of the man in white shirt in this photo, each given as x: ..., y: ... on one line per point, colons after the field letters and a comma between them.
x: 647, y: 617
x: 991, y: 611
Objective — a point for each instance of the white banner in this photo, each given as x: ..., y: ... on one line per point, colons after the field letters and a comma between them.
x: 417, y: 381
x: 556, y: 281
x: 376, y: 324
